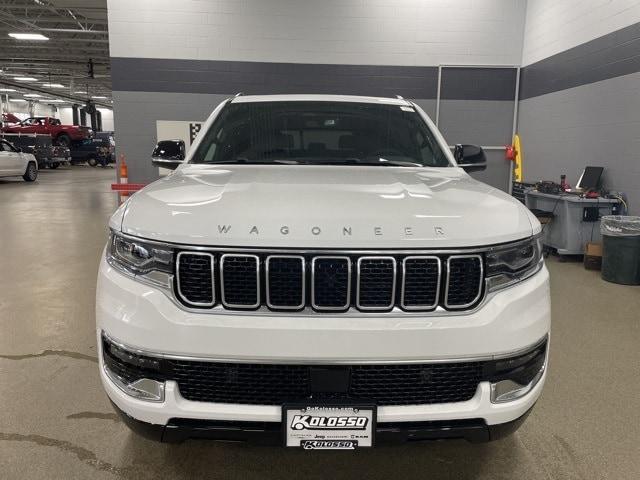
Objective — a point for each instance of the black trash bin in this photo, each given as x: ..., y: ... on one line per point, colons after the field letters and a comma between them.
x: 621, y: 249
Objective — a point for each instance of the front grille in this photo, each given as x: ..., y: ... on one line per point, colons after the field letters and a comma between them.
x: 326, y: 282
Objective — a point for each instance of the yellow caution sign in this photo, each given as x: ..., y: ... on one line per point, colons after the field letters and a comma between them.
x: 517, y: 160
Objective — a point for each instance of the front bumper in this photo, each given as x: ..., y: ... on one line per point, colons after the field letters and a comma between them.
x: 178, y: 430
x: 144, y: 317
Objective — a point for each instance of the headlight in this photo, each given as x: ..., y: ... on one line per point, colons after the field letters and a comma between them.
x: 146, y: 261
x: 509, y: 264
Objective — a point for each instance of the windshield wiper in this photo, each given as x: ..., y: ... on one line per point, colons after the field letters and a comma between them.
x: 244, y: 161
x: 383, y: 162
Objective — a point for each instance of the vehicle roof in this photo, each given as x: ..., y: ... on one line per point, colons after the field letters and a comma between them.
x: 318, y: 98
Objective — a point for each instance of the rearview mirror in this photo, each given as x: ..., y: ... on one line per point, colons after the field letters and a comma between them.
x: 470, y: 157
x: 168, y: 154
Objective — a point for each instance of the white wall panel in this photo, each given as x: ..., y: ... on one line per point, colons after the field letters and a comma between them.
x: 553, y: 26
x: 378, y: 32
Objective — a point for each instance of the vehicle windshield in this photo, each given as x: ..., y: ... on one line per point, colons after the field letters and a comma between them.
x: 320, y: 133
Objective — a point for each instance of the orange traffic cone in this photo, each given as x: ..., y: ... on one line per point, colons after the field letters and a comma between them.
x: 124, y: 177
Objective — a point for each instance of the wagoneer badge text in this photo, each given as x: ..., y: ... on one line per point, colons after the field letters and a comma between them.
x: 316, y: 230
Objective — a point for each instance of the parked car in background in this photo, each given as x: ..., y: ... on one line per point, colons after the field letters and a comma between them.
x: 98, y: 150
x: 61, y: 134
x: 59, y: 154
x: 15, y: 163
x: 41, y: 147
x: 9, y: 119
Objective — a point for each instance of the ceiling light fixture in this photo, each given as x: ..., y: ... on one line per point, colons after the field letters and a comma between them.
x: 99, y: 97
x: 28, y: 36
x: 17, y: 100
x: 80, y: 93
x: 57, y: 100
x: 25, y: 79
x: 53, y: 85
x: 8, y: 90
x: 32, y: 95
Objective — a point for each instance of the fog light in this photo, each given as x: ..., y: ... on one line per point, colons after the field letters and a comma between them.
x: 142, y: 389
x: 508, y: 390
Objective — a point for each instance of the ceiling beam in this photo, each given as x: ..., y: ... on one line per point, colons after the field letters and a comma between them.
x: 66, y: 96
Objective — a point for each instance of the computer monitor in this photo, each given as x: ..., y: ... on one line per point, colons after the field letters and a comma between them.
x: 590, y: 178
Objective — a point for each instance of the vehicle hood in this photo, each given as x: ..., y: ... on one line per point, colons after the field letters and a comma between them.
x: 323, y: 207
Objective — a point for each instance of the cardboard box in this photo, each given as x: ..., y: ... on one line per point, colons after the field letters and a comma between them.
x: 593, y: 256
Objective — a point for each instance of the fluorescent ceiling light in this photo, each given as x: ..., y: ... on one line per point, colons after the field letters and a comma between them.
x: 80, y: 93
x: 28, y: 36
x: 7, y: 90
x: 99, y: 97
x: 25, y: 79
x: 17, y: 100
x: 53, y: 85
x: 32, y: 95
x: 56, y: 100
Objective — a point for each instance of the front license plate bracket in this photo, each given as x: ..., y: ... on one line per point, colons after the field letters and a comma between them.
x: 314, y: 426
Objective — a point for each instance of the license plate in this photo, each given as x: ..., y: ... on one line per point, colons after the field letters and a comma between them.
x: 329, y: 427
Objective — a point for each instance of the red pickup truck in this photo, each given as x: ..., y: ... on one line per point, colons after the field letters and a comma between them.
x: 60, y: 134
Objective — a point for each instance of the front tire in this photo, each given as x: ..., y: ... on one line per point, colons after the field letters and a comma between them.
x: 54, y: 165
x: 92, y: 162
x: 64, y: 140
x: 31, y: 174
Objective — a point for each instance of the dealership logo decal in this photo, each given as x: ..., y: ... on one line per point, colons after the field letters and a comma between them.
x: 308, y: 422
x: 329, y: 444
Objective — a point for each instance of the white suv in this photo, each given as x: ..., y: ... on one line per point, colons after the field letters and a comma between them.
x: 321, y: 272
x: 15, y: 163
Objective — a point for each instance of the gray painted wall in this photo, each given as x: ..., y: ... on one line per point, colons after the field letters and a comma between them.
x: 581, y: 107
x: 481, y: 122
x: 474, y: 108
x: 597, y: 124
x: 135, y: 118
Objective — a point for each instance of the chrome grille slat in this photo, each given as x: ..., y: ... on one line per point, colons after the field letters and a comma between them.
x: 325, y: 277
x: 325, y: 282
x: 455, y: 298
x: 376, y: 282
x: 277, y: 282
x: 417, y: 286
x: 196, y: 290
x: 237, y: 288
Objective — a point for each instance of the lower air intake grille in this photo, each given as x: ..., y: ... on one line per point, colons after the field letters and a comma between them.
x: 276, y: 384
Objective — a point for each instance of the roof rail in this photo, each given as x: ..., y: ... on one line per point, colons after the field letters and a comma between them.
x: 399, y: 97
x: 239, y: 94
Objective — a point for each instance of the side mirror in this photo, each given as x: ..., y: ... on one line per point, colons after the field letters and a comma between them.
x: 470, y: 157
x: 18, y: 149
x: 168, y: 154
